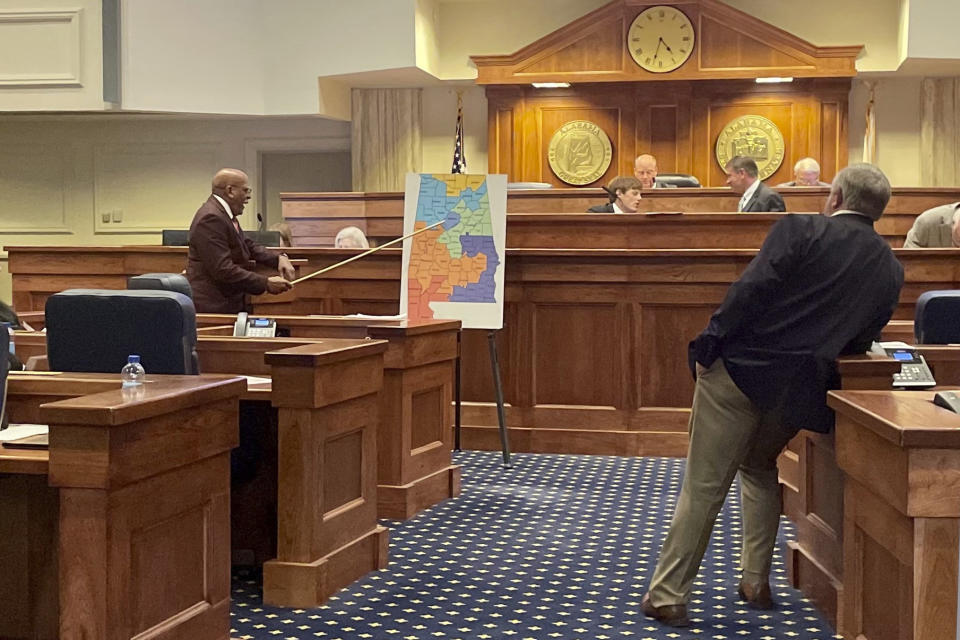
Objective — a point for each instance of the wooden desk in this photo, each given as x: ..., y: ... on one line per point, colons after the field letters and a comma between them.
x: 812, y: 487
x: 593, y: 352
x: 315, y: 218
x: 900, y: 456
x: 121, y: 529
x: 414, y: 432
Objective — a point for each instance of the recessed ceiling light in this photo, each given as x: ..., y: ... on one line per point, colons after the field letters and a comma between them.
x: 773, y: 80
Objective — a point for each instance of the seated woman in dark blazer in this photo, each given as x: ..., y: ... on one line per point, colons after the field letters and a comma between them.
x: 624, y: 194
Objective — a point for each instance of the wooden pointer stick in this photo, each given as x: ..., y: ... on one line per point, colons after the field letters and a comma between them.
x: 365, y: 253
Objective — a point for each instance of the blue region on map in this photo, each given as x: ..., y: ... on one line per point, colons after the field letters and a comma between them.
x: 484, y: 290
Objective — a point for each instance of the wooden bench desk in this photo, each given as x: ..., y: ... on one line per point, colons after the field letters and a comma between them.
x: 121, y: 528
x: 900, y: 456
x: 414, y: 434
x: 325, y: 396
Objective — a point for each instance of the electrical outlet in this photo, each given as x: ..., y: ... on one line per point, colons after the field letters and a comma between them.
x: 118, y: 215
x: 105, y: 217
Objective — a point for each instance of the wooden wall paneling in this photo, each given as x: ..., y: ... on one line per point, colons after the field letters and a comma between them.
x: 833, y: 139
x: 665, y: 379
x: 588, y: 337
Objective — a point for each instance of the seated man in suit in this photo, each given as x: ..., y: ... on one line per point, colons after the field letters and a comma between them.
x: 624, y: 196
x: 806, y: 173
x: 742, y: 177
x: 645, y: 170
x: 220, y: 255
x: 935, y: 228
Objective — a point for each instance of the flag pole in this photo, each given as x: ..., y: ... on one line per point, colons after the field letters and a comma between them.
x: 365, y: 253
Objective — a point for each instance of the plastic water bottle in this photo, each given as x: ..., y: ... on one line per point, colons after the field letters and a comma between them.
x: 132, y: 374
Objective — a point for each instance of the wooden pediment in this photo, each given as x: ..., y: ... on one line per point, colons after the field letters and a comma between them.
x: 729, y: 44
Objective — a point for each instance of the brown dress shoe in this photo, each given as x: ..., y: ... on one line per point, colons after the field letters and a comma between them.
x: 756, y: 597
x: 672, y: 615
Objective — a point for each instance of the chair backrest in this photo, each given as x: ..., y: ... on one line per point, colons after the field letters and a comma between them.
x: 936, y: 319
x: 94, y: 330
x: 678, y: 179
x: 266, y: 238
x: 161, y: 282
x: 175, y: 237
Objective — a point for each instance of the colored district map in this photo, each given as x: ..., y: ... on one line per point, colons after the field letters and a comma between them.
x: 457, y: 261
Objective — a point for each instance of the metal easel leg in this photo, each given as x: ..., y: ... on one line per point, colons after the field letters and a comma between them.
x: 498, y: 388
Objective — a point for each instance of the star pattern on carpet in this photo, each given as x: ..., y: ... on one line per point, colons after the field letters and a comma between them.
x: 558, y: 547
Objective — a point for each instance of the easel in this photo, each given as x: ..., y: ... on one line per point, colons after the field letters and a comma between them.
x: 498, y: 392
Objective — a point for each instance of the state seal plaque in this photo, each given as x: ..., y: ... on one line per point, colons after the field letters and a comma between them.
x: 579, y: 152
x: 754, y: 137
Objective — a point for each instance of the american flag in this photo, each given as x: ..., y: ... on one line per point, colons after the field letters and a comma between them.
x: 459, y: 157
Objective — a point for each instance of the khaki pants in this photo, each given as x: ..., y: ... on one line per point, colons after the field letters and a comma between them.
x: 727, y: 433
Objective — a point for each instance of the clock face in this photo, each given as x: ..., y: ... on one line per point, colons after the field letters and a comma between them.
x: 660, y: 39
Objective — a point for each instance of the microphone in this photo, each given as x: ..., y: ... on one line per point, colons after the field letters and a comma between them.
x: 259, y: 222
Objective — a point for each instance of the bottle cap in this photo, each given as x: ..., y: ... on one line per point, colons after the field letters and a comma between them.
x: 133, y: 359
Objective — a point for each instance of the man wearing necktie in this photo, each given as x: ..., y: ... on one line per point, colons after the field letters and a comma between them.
x: 743, y: 178
x: 219, y: 254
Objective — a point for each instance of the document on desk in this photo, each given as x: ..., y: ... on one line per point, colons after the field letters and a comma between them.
x: 257, y: 380
x: 364, y: 316
x: 18, y: 431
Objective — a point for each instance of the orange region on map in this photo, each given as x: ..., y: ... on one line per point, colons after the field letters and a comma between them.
x: 433, y: 273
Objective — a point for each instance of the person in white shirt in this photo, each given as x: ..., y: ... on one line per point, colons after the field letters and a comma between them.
x: 743, y: 178
x: 624, y: 194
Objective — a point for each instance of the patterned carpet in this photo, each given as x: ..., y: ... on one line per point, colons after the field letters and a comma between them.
x: 558, y: 547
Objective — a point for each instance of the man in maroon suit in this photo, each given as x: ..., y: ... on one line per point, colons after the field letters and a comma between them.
x: 220, y: 255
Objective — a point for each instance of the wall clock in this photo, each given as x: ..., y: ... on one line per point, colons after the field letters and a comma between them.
x: 661, y: 38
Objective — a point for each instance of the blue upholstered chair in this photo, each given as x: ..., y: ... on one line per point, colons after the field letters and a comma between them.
x: 937, y: 317
x: 93, y: 330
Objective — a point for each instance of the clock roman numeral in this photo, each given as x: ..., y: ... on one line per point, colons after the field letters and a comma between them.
x: 639, y: 51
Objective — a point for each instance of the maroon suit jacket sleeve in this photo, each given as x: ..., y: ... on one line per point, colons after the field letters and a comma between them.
x: 261, y: 255
x: 209, y: 236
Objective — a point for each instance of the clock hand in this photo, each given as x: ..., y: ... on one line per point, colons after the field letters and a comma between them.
x: 666, y: 45
x: 655, y: 53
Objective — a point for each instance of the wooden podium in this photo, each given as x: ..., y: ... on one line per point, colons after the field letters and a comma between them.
x: 327, y: 531
x: 900, y: 455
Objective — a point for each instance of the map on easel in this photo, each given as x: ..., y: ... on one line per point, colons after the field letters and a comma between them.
x: 455, y: 271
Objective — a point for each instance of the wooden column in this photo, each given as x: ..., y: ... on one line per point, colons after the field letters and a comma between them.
x: 416, y: 427
x: 327, y: 530
x: 901, y: 516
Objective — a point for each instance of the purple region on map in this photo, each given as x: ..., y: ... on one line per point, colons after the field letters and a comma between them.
x: 484, y: 290
x: 452, y: 220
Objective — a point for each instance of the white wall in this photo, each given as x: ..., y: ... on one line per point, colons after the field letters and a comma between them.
x: 50, y: 55
x: 440, y: 125
x: 897, y: 110
x: 59, y: 175
x: 193, y: 57
x: 933, y: 29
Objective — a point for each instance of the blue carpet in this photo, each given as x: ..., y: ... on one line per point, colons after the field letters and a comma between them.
x: 558, y: 547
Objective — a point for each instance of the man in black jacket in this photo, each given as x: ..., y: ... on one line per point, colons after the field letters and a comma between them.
x: 820, y: 287
x: 743, y: 178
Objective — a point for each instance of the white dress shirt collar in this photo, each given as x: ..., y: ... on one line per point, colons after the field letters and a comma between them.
x: 745, y: 198
x: 616, y: 209
x: 226, y: 207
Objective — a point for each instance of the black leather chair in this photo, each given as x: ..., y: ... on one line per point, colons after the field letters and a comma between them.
x: 175, y: 282
x: 936, y: 318
x: 677, y: 179
x: 94, y: 330
x: 265, y: 238
x: 175, y: 237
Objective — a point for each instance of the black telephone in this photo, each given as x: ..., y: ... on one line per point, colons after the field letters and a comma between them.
x: 254, y: 327
x: 949, y: 400
x: 914, y: 372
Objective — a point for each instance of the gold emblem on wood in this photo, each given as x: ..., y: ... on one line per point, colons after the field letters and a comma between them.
x: 754, y: 137
x: 579, y: 152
